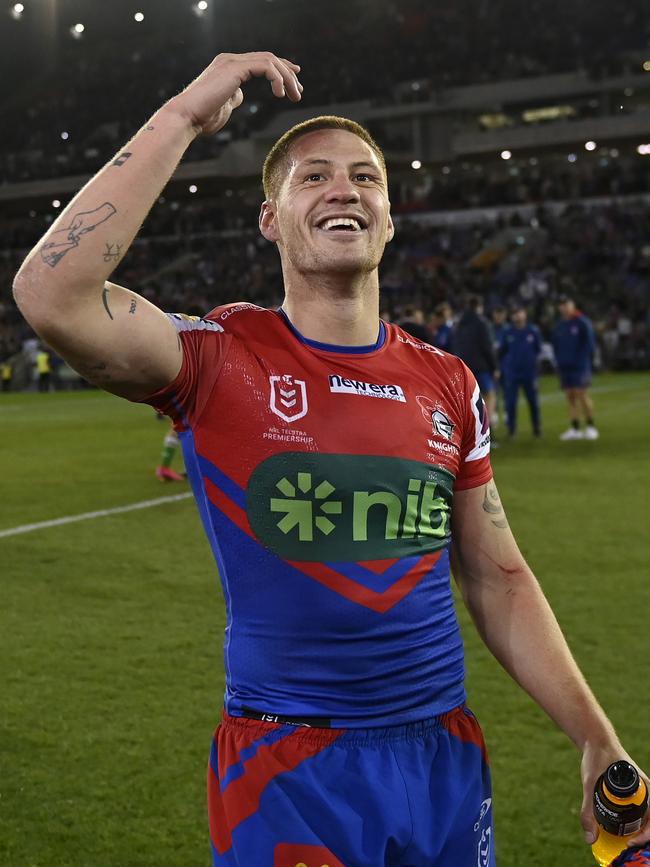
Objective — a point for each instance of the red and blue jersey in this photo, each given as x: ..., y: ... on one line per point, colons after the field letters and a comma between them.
x: 325, y: 478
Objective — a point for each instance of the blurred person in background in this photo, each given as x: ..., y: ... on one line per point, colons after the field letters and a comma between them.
x: 43, y: 368
x: 414, y: 323
x: 164, y: 469
x: 519, y: 349
x: 442, y: 323
x: 345, y: 727
x: 574, y: 344
x: 473, y: 343
x: 499, y: 322
x: 6, y: 374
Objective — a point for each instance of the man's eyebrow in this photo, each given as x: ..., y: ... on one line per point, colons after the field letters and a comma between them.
x: 319, y: 161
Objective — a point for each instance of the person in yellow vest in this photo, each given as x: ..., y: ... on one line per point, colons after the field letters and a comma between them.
x: 44, y: 369
x: 6, y: 374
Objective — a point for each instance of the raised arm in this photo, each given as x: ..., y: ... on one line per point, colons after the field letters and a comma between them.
x: 518, y: 626
x: 111, y: 335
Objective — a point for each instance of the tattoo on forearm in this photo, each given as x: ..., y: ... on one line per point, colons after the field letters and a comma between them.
x: 112, y: 252
x: 150, y: 126
x: 59, y: 242
x: 134, y: 304
x: 492, y: 505
x: 121, y: 159
x: 105, y: 300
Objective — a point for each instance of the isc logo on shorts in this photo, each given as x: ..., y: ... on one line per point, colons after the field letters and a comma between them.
x: 298, y: 855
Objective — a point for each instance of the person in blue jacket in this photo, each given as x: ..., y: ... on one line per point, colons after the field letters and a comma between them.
x: 519, y: 348
x: 499, y: 323
x: 574, y: 344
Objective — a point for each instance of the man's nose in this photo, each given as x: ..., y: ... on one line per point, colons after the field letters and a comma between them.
x: 341, y: 189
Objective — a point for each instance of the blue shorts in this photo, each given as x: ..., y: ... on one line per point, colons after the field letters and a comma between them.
x: 572, y: 377
x: 415, y: 795
x: 485, y: 382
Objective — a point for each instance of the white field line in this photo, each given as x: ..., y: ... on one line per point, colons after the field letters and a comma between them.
x: 87, y: 516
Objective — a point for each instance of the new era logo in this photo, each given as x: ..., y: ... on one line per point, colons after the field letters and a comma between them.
x: 343, y: 385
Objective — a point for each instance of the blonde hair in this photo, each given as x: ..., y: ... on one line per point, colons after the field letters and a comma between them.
x: 275, y: 164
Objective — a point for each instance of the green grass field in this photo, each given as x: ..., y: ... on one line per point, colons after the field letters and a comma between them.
x: 111, y: 631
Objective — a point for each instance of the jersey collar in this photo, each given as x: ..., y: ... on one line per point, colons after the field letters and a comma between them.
x: 332, y: 347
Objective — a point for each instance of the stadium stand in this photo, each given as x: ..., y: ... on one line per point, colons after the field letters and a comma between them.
x: 530, y: 178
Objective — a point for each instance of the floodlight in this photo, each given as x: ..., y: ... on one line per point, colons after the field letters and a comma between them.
x: 416, y: 164
x: 590, y: 145
x: 139, y: 16
x: 505, y: 155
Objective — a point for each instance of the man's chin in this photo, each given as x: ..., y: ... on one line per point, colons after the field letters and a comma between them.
x: 343, y: 262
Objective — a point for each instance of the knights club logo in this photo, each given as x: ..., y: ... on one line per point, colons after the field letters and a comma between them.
x: 288, y: 397
x: 440, y: 422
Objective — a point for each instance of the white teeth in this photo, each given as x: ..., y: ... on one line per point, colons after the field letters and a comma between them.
x: 341, y: 221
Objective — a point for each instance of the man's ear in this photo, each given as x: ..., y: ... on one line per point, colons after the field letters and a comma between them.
x: 390, y: 230
x: 268, y: 222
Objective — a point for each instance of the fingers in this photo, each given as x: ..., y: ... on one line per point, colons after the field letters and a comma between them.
x: 643, y: 836
x: 284, y: 80
x: 237, y: 98
x: 588, y: 821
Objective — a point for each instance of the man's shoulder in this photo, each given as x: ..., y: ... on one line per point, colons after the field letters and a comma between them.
x: 237, y: 311
x: 413, y: 347
x: 407, y: 351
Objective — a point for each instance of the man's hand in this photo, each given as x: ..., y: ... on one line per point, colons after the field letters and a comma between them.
x: 211, y: 98
x: 595, y: 761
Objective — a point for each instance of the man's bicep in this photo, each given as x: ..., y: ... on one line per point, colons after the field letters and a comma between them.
x: 119, y: 341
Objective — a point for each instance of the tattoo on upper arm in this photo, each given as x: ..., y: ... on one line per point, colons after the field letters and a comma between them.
x: 59, y: 242
x: 112, y: 252
x: 121, y: 159
x: 105, y: 291
x: 492, y: 505
x: 150, y: 126
x: 134, y: 304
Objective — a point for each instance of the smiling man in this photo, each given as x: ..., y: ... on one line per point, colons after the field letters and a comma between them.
x: 339, y: 464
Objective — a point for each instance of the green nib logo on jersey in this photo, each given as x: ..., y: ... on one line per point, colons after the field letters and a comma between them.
x: 300, y: 512
x: 342, y: 508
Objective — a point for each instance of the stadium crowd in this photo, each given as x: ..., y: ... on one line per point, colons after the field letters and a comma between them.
x: 194, y: 254
x: 409, y: 51
x: 186, y: 261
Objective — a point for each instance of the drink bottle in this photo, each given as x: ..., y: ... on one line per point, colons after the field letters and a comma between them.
x: 620, y: 803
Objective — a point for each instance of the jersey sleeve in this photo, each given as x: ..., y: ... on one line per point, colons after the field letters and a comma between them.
x: 205, y: 347
x: 475, y: 468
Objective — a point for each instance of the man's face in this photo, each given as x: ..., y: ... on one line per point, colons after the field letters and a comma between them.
x: 519, y: 318
x: 499, y: 317
x: 566, y: 309
x: 331, y: 213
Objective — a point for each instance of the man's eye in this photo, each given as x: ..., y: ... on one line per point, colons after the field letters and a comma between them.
x: 363, y: 177
x: 316, y: 176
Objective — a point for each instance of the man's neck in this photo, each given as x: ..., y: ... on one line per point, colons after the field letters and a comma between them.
x: 330, y: 310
